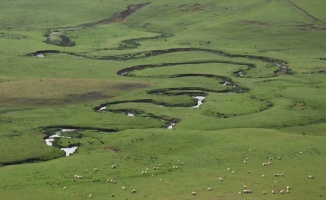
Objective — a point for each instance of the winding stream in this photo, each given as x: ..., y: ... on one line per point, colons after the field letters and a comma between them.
x: 69, y: 150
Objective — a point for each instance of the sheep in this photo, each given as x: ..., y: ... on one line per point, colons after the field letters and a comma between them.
x: 262, y: 175
x: 209, y: 189
x: 264, y: 192
x: 247, y: 158
x: 282, y: 191
x: 228, y: 169
x: 248, y: 172
x: 288, y: 188
x: 113, y: 166
x: 300, y: 152
x: 111, y: 181
x: 95, y: 169
x: 112, y: 195
x: 282, y: 174
x: 194, y: 193
x: 240, y: 192
x: 220, y: 179
x: 265, y: 164
x: 276, y: 174
x: 160, y: 179
x: 269, y: 163
x: 133, y: 191
x: 90, y: 195
x: 280, y: 158
x: 273, y: 192
x: 123, y: 187
x: 244, y: 186
x: 159, y: 165
x: 146, y: 169
x: 142, y: 172
x: 245, y: 162
x: 232, y: 172
x: 287, y: 191
x: 182, y: 163
x: 270, y: 158
x: 64, y: 188
x: 86, y: 170
x: 246, y: 191
x: 175, y: 167
x: 310, y: 177
x: 78, y: 176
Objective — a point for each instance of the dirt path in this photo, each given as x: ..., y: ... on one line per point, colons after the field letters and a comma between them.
x: 315, y: 19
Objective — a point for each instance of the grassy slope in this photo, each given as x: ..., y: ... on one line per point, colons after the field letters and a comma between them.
x: 55, y: 90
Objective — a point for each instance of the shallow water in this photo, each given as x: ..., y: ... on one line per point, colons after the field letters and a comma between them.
x: 49, y: 141
x: 70, y: 150
x: 171, y: 126
x: 200, y: 100
x: 103, y: 108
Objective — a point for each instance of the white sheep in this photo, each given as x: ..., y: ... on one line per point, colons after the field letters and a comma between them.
x: 310, y: 177
x: 282, y: 191
x: 220, y: 179
x: 273, y: 192
x: 209, y: 189
x: 123, y: 187
x: 262, y: 175
x: 279, y: 158
x: 194, y: 193
x: 78, y: 176
x: 64, y: 188
x: 133, y: 191
x: 287, y: 191
x: 113, y: 166
x: 112, y: 195
x: 95, y: 169
x: 246, y: 191
x: 244, y: 186
x: 90, y: 195
x: 245, y: 162
x: 264, y: 192
x: 228, y: 169
x: 288, y: 188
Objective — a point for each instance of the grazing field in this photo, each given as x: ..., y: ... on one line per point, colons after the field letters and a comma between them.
x: 163, y: 99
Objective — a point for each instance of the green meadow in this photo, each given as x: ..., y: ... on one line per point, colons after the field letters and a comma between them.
x: 117, y: 80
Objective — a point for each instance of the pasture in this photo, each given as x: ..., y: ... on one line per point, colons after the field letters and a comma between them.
x: 124, y: 74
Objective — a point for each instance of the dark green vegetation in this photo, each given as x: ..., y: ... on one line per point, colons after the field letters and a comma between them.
x: 86, y: 65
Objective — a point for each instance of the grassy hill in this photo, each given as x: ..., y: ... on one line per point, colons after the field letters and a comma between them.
x: 87, y: 65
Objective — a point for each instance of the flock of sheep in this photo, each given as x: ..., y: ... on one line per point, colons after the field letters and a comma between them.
x: 245, y: 190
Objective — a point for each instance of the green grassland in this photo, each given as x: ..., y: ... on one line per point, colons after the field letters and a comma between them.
x: 260, y: 65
